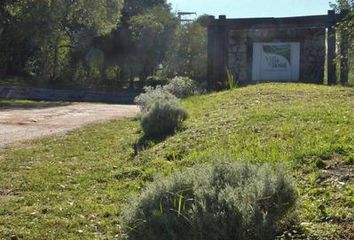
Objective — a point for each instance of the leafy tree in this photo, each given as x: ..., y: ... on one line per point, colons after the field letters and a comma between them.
x: 341, y: 5
x: 72, y: 40
x: 51, y: 27
x: 188, y: 54
x: 346, y: 31
x: 152, y: 33
x: 139, y: 44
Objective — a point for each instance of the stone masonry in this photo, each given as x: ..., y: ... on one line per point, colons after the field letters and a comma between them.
x: 312, y: 50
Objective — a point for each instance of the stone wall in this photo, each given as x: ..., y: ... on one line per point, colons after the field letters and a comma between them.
x: 312, y: 50
x: 29, y: 93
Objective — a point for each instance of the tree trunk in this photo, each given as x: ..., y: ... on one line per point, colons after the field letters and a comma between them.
x: 131, y: 82
x: 344, y: 58
x: 56, y: 61
x: 45, y: 62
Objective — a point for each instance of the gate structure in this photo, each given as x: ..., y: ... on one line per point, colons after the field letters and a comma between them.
x: 273, y: 49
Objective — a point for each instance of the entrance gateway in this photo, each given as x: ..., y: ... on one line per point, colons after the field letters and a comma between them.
x: 289, y: 49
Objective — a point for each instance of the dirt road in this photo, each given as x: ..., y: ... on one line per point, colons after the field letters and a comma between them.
x: 25, y: 124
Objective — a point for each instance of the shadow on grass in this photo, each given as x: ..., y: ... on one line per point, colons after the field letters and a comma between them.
x: 146, y: 142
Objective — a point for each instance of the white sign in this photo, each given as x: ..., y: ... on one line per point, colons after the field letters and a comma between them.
x: 276, y: 62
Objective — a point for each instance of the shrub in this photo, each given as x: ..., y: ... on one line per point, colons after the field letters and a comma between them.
x: 225, y: 201
x: 161, y: 112
x: 153, y: 95
x: 112, y: 72
x: 162, y: 117
x: 182, y: 87
x: 158, y: 78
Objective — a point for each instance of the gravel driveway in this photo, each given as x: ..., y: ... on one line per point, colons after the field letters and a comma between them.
x: 25, y: 124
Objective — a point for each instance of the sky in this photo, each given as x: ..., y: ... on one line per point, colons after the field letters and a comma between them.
x: 253, y: 8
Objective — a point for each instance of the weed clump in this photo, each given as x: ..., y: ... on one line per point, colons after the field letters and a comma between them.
x: 225, y: 201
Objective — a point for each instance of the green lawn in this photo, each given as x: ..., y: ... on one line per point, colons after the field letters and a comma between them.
x: 74, y: 186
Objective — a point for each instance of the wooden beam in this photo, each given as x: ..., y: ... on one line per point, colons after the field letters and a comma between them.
x: 344, y: 53
x: 222, y: 53
x: 211, y: 53
x: 331, y: 48
x: 318, y: 21
x: 217, y: 52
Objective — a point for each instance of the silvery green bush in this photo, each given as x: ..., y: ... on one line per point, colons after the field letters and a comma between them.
x: 152, y: 95
x: 161, y: 112
x: 181, y: 87
x: 229, y: 201
x: 162, y: 118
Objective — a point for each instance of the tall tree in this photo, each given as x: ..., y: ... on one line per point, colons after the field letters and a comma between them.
x: 346, y: 38
x: 152, y: 32
x: 5, y: 39
x: 340, y: 5
x: 136, y: 7
x: 51, y: 26
x: 144, y: 35
x: 187, y: 55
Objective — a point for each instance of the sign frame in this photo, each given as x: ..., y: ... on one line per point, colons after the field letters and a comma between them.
x: 276, y: 61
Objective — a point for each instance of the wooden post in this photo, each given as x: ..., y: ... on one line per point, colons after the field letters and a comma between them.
x: 217, y: 52
x: 211, y: 53
x: 331, y: 48
x: 344, y: 52
x: 221, y: 49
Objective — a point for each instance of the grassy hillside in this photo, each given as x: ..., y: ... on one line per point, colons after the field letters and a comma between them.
x: 75, y: 186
